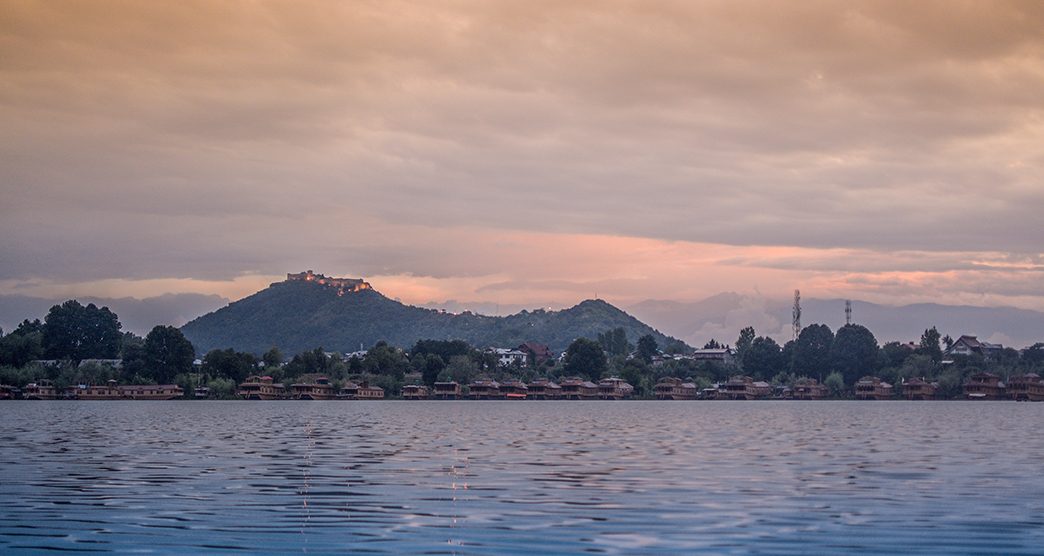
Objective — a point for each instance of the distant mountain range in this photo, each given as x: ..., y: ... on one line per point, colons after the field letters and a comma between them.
x: 722, y: 316
x: 296, y: 315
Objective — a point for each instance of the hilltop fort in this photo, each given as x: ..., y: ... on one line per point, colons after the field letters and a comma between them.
x: 342, y: 285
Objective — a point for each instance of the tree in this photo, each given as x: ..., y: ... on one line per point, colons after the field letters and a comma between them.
x: 763, y: 359
x: 835, y: 383
x: 746, y: 337
x: 811, y: 354
x: 854, y: 352
x: 712, y: 344
x: 167, y: 353
x: 22, y: 345
x: 930, y: 344
x: 585, y: 358
x: 383, y: 359
x: 72, y: 331
x: 1034, y: 355
x: 433, y: 365
x: 614, y: 342
x: 230, y: 364
x: 647, y: 348
x: 273, y: 357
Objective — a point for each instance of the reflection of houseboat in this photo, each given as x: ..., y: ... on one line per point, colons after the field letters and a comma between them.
x: 671, y: 388
x: 918, y: 389
x: 984, y: 386
x: 614, y: 388
x: 514, y: 389
x: 809, y: 389
x: 43, y: 390
x: 152, y: 392
x: 1027, y: 387
x: 414, y: 392
x: 261, y: 388
x: 448, y: 390
x: 544, y: 389
x: 484, y: 389
x: 872, y: 388
x: 319, y: 389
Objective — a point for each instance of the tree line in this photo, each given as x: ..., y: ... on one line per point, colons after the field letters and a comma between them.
x: 71, y: 335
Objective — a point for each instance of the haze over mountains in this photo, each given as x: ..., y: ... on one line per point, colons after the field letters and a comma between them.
x: 720, y: 316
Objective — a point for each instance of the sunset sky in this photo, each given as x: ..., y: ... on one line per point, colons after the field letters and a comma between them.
x: 526, y: 152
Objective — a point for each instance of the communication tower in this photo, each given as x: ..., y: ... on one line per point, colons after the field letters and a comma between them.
x: 848, y: 311
x: 797, y: 313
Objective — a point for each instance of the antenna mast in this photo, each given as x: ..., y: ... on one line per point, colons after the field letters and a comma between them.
x: 848, y: 311
x: 797, y: 313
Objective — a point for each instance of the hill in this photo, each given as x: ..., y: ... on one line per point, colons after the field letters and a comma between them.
x: 299, y: 314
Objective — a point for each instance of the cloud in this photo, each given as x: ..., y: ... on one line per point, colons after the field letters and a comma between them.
x: 433, y: 142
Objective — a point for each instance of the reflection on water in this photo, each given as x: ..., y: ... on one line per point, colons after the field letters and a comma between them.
x: 522, y: 477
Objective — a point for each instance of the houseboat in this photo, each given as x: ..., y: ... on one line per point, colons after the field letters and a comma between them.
x: 575, y: 388
x: 7, y: 392
x: 349, y: 391
x: 614, y: 388
x: 42, y: 390
x: 872, y: 388
x: 1027, y: 387
x: 671, y: 388
x: 110, y: 391
x: 744, y: 388
x: 916, y: 389
x: 415, y: 392
x: 809, y: 389
x: 261, y: 388
x: 484, y: 389
x: 368, y: 392
x: 514, y: 389
x: 151, y: 392
x: 318, y: 389
x: 201, y: 392
x: 543, y: 389
x: 447, y: 390
x: 984, y: 386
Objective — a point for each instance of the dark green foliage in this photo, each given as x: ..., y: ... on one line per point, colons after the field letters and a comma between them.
x: 712, y: 344
x: 229, y: 364
x: 746, y: 337
x: 1034, y: 355
x: 614, y: 341
x: 167, y: 353
x: 763, y: 359
x: 300, y: 315
x: 811, y: 352
x: 314, y: 361
x: 930, y: 344
x: 383, y: 359
x: 445, y: 349
x: 433, y: 366
x: 893, y: 354
x: 23, y: 345
x: 585, y: 358
x: 72, y: 331
x: 272, y: 357
x: 647, y: 348
x: 854, y: 352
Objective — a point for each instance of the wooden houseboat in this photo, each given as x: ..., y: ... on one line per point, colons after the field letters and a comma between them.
x: 415, y: 392
x: 575, y: 388
x: 918, y: 389
x: 743, y: 388
x: 448, y: 390
x: 110, y: 391
x: 872, y: 388
x: 7, y: 392
x: 514, y: 389
x: 984, y: 386
x: 809, y: 389
x: 544, y: 389
x: 261, y: 388
x: 1027, y: 387
x: 151, y: 392
x: 318, y: 389
x: 672, y: 388
x: 201, y: 392
x: 614, y: 388
x: 484, y: 389
x: 42, y: 390
x: 349, y: 391
x: 368, y: 392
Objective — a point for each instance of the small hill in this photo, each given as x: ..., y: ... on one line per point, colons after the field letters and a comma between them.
x: 300, y: 314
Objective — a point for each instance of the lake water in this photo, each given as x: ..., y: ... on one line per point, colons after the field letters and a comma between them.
x: 523, y: 477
